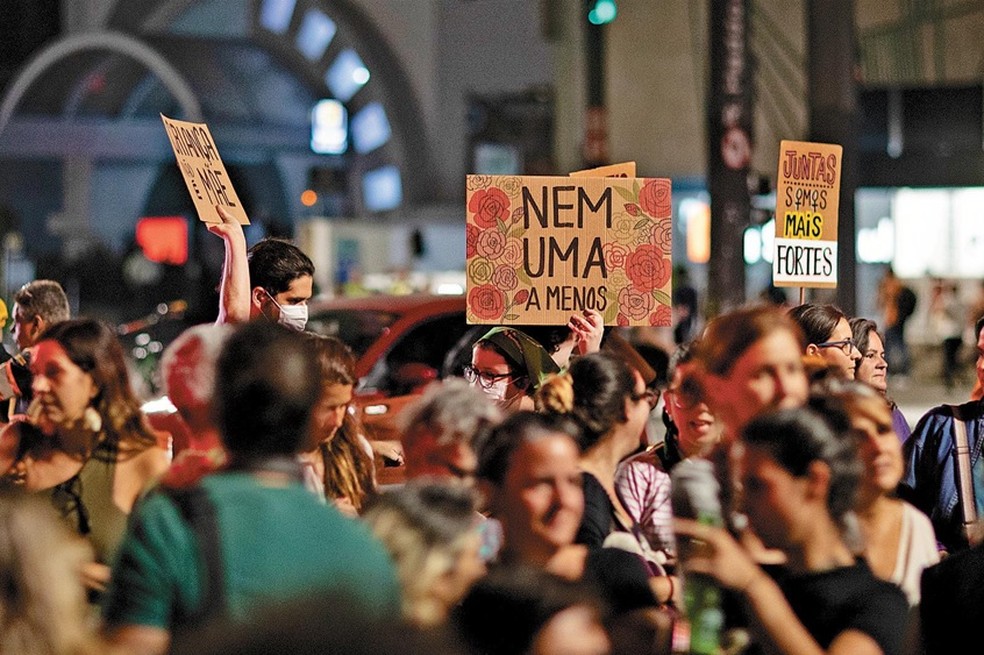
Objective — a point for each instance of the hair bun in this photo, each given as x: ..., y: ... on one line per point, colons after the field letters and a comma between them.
x: 556, y: 394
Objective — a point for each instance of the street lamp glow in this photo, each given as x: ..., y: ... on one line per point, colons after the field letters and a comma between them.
x: 604, y: 12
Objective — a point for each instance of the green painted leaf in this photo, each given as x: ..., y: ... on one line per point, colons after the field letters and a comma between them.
x: 611, y: 312
x: 523, y: 277
x: 662, y: 298
x: 511, y: 317
x: 641, y: 223
x: 626, y: 194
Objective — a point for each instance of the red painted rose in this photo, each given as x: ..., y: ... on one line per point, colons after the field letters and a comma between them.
x: 635, y: 305
x: 654, y: 198
x: 662, y: 317
x: 488, y: 206
x: 487, y: 302
x: 521, y: 297
x: 647, y: 268
x: 471, y: 239
x: 622, y: 320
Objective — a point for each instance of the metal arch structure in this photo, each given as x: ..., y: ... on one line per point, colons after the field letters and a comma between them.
x: 112, y: 41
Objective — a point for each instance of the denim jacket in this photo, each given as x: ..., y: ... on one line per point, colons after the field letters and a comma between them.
x: 930, y: 478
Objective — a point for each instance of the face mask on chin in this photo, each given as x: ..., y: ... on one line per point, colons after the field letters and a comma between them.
x: 292, y: 317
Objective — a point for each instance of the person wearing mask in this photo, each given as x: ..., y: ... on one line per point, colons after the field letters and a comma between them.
x: 273, y: 279
x: 508, y: 366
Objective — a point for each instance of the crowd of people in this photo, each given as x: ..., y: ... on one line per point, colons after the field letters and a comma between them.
x: 536, y: 517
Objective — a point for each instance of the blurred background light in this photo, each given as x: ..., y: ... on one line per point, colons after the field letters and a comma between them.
x: 346, y: 75
x: 316, y: 32
x: 370, y: 128
x: 382, y: 189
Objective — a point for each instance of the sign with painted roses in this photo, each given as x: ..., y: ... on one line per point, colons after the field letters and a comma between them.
x: 539, y: 249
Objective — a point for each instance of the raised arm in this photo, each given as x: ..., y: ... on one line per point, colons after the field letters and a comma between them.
x: 234, y: 288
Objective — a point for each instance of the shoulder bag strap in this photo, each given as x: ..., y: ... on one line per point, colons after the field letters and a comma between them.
x: 965, y: 480
x: 199, y: 513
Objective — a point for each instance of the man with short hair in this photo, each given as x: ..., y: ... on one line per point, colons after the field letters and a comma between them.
x: 251, y: 535
x: 38, y: 305
x: 274, y: 279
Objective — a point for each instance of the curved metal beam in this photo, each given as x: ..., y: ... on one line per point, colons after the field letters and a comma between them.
x: 114, y: 42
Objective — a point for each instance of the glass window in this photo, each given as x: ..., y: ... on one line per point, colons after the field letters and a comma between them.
x: 370, y: 128
x: 329, y: 128
x: 316, y: 32
x: 346, y: 75
x: 382, y: 189
x: 275, y: 15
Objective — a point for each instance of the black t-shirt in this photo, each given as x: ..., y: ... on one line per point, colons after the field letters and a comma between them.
x: 846, y: 598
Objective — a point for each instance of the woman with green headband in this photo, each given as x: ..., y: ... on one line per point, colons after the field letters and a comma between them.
x: 508, y: 365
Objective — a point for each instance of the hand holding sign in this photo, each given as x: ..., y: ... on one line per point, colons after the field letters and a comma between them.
x: 203, y: 171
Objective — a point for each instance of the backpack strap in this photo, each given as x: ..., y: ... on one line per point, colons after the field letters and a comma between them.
x: 965, y: 478
x: 199, y: 513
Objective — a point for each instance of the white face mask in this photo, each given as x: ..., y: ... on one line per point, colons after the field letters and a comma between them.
x: 292, y: 317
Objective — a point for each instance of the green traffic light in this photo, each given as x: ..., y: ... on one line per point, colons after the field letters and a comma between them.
x: 603, y: 12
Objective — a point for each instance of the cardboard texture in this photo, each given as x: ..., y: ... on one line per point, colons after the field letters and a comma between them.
x: 540, y: 249
x: 625, y: 169
x: 203, y: 170
x: 807, y: 201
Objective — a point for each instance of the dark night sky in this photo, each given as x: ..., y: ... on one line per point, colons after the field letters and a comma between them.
x: 25, y: 26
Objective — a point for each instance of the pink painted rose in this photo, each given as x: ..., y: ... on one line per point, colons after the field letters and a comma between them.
x: 490, y: 243
x: 634, y: 304
x: 488, y: 206
x: 471, y: 239
x: 622, y: 320
x: 505, y: 278
x: 512, y: 252
x: 487, y: 301
x: 647, y: 268
x: 615, y: 254
x: 661, y: 235
x: 654, y: 198
x: 662, y: 317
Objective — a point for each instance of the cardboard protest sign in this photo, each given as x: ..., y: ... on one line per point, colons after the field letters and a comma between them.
x: 807, y: 200
x: 626, y: 169
x: 203, y: 170
x: 539, y: 249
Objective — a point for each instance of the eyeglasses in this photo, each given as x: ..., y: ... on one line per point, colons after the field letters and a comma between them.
x: 687, y: 395
x: 485, y: 379
x: 649, y: 395
x: 846, y: 345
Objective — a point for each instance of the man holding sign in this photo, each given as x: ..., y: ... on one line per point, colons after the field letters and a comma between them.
x: 274, y: 279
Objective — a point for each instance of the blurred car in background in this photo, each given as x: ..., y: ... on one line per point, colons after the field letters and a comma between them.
x: 401, y: 343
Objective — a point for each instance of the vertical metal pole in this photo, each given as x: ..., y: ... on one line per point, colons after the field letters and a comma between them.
x: 729, y: 117
x: 832, y: 63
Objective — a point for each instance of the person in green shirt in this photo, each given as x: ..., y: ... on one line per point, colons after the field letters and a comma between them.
x: 249, y: 536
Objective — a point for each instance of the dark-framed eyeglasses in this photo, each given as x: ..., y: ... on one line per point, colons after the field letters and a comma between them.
x: 846, y: 345
x: 484, y: 379
x: 686, y: 395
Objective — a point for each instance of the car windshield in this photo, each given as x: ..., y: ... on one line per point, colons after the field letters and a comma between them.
x: 359, y: 328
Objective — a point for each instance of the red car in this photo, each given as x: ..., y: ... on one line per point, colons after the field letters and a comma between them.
x: 401, y: 343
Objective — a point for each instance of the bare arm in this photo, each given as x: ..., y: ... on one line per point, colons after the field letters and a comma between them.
x: 234, y: 287
x: 725, y: 560
x: 140, y: 639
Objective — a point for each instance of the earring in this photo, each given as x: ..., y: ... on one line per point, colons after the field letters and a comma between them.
x: 91, y: 420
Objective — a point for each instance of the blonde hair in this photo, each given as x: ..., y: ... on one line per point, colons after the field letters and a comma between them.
x: 426, y: 527
x: 43, y: 607
x: 556, y: 394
